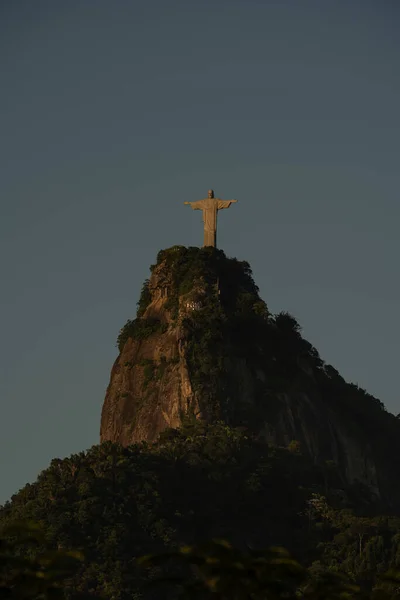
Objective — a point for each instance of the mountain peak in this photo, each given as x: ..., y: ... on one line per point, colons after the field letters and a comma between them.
x: 204, y: 346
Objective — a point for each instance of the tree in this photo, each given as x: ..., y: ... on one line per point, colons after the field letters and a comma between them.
x: 29, y: 572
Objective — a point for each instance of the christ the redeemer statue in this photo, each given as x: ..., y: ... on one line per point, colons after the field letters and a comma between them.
x: 210, y: 207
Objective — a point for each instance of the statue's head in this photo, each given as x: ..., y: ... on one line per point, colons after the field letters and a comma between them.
x: 211, y: 193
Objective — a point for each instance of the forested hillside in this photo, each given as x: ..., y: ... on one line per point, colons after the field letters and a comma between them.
x: 196, y: 484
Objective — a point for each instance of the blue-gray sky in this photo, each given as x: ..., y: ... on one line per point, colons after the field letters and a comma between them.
x: 113, y: 113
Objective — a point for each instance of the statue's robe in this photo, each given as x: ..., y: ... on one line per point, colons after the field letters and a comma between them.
x: 210, y: 208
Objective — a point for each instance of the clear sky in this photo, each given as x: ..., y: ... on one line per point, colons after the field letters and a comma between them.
x: 114, y: 112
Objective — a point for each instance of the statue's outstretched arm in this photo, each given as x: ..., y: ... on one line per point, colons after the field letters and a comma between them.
x: 198, y: 205
x: 225, y: 203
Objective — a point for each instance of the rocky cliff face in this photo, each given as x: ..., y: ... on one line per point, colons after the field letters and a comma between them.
x: 205, y: 346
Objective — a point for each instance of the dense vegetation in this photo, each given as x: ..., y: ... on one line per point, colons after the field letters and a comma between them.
x: 216, y: 480
x: 199, y: 483
x: 28, y: 568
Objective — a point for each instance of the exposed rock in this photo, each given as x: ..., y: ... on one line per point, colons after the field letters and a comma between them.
x: 206, y: 347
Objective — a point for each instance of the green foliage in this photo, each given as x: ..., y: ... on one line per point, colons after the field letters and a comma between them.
x: 152, y: 371
x: 144, y: 300
x: 287, y: 324
x: 294, y: 446
x: 220, y: 481
x: 205, y: 482
x: 217, y: 569
x: 209, y: 270
x: 202, y: 481
x: 139, y: 329
x: 228, y: 573
x: 28, y: 568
